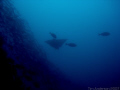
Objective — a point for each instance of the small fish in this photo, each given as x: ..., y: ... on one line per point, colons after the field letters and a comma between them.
x: 53, y: 35
x: 71, y: 44
x: 104, y: 34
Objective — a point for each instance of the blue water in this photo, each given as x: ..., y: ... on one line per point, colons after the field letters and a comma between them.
x: 95, y: 60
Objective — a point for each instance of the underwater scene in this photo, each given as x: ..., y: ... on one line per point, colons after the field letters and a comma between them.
x: 60, y: 44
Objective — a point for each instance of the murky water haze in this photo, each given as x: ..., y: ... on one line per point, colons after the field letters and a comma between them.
x: 96, y: 58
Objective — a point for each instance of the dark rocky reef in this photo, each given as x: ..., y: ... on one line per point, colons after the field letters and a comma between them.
x: 24, y: 65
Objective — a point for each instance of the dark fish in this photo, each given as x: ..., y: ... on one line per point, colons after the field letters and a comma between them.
x: 105, y: 34
x: 56, y: 43
x: 71, y: 44
x: 53, y: 35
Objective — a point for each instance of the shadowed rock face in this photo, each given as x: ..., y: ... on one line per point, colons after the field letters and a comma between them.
x: 56, y: 43
x: 24, y: 65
